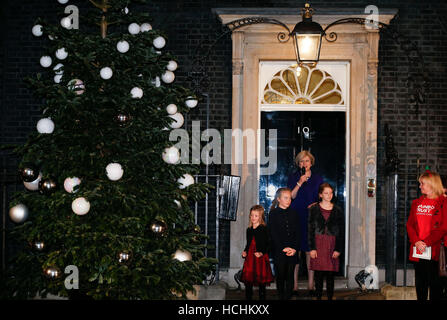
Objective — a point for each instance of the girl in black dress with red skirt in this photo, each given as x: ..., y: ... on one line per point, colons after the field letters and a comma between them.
x: 326, y: 235
x: 256, y: 270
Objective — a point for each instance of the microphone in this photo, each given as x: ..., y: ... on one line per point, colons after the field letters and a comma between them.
x: 303, y: 171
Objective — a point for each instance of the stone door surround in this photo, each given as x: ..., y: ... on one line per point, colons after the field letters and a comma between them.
x: 356, y: 44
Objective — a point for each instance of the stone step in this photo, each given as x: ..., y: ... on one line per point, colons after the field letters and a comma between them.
x: 339, y: 283
x: 398, y: 293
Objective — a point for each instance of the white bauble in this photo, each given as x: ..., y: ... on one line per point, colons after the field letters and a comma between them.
x: 156, y: 82
x: 70, y: 183
x: 61, y: 53
x: 182, y: 255
x: 122, y: 46
x: 58, y: 69
x: 126, y: 10
x: 51, y: 37
x: 37, y: 30
x: 134, y: 28
x: 179, y: 120
x: 185, y: 180
x: 57, y: 78
x: 19, y: 213
x: 136, y: 92
x: 33, y: 185
x: 62, y: 1
x: 179, y: 205
x: 159, y: 42
x: 66, y: 22
x: 46, y: 61
x: 106, y: 73
x: 168, y: 77
x: 59, y: 72
x: 77, y: 86
x: 171, y: 108
x: 171, y: 155
x: 145, y: 27
x: 80, y: 206
x: 191, y: 102
x: 45, y: 125
x: 114, y: 171
x: 172, y: 65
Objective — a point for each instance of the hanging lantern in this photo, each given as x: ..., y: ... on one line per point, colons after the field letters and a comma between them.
x: 307, y: 38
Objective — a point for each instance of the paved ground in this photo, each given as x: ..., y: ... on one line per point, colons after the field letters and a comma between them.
x: 339, y: 294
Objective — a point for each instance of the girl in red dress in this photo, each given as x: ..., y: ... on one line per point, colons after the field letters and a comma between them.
x: 426, y: 226
x: 256, y: 270
x: 326, y: 236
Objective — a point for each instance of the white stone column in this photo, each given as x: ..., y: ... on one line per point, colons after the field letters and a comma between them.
x: 237, y: 228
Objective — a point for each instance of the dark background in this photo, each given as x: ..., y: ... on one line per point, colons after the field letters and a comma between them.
x: 187, y: 24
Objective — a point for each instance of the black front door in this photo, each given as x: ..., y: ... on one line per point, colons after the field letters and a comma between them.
x: 323, y: 134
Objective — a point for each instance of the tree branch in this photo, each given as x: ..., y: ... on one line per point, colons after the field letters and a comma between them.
x: 96, y: 4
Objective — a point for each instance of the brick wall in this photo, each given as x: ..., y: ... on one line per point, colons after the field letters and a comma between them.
x: 188, y: 24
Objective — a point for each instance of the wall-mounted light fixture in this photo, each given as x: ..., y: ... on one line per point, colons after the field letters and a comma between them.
x: 307, y: 34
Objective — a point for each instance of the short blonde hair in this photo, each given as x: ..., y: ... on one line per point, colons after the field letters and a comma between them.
x: 303, y: 154
x: 260, y: 209
x: 434, y: 180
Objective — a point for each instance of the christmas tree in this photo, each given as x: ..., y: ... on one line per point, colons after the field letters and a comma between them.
x: 106, y: 207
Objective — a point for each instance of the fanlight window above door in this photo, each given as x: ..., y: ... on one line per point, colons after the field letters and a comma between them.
x: 302, y: 85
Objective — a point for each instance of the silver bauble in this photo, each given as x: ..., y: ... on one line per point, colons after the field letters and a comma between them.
x: 19, y: 213
x: 39, y: 245
x: 52, y: 273
x: 124, y: 256
x: 47, y: 186
x: 159, y: 228
x: 123, y: 120
x: 29, y: 173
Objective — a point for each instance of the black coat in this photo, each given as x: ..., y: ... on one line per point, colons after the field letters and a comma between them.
x: 284, y: 232
x: 261, y: 238
x: 334, y: 226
